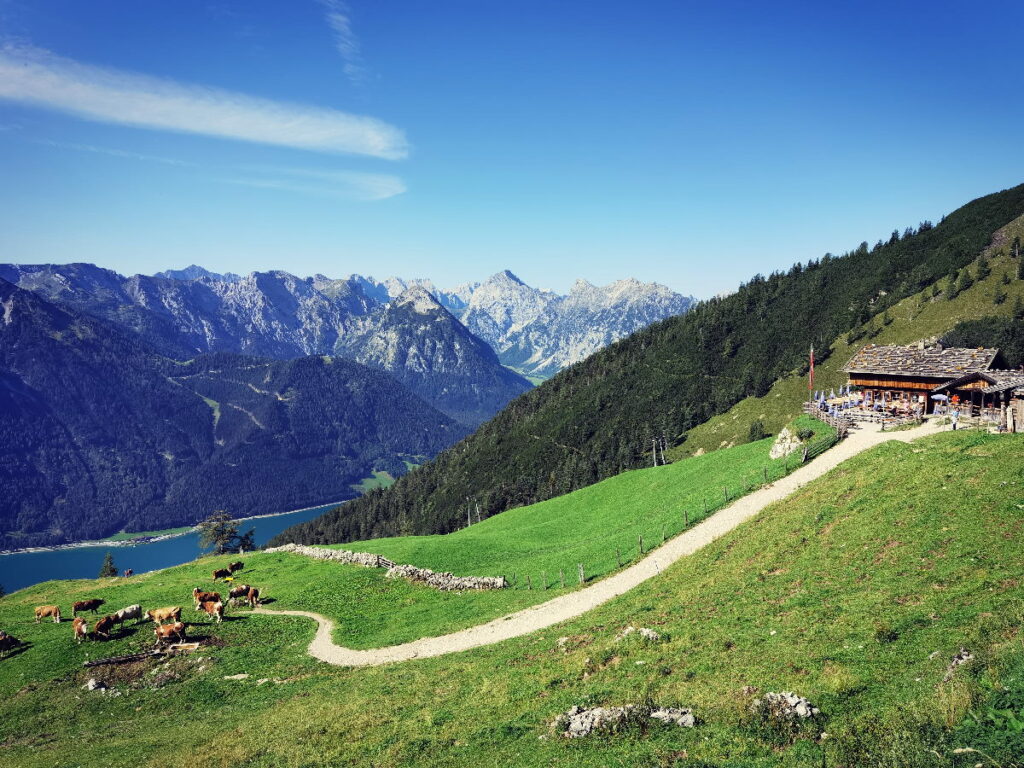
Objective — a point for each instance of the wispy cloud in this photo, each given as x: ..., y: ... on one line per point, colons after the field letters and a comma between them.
x: 339, y: 19
x: 113, y: 152
x: 351, y: 185
x: 33, y: 76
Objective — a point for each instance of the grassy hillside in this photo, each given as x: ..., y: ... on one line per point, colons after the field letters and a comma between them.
x: 855, y: 593
x: 597, y: 418
x: 926, y: 314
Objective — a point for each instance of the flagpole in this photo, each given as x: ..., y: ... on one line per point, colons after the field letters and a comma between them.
x: 810, y: 381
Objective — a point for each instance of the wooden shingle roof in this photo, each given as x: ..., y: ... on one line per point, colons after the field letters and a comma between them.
x: 928, y: 362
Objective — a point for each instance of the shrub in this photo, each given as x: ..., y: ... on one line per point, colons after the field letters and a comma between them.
x: 756, y: 432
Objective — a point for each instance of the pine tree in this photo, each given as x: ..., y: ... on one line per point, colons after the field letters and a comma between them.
x: 1020, y: 270
x: 984, y: 270
x: 756, y: 432
x: 2, y: 590
x: 1018, y: 309
x: 1005, y: 279
x: 108, y: 568
x: 965, y: 281
x: 999, y: 296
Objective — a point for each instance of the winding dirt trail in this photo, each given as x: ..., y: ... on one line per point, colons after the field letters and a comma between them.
x: 574, y: 604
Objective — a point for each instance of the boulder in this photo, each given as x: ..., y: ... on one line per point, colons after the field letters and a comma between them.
x: 786, y: 443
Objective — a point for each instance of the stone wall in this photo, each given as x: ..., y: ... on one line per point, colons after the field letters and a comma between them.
x: 446, y: 582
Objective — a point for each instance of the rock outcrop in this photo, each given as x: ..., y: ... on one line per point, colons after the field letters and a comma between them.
x: 786, y: 443
x: 578, y: 722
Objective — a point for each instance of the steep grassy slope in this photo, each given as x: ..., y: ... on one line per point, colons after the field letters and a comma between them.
x: 598, y: 418
x: 855, y: 593
x: 927, y: 314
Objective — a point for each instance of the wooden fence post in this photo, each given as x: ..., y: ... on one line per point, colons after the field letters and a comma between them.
x: 766, y: 474
x: 663, y: 534
x: 618, y: 557
x: 725, y: 490
x: 640, y: 543
x: 544, y: 579
x: 705, y: 505
x: 561, y: 577
x: 686, y: 519
x: 529, y: 582
x: 514, y: 582
x: 579, y: 566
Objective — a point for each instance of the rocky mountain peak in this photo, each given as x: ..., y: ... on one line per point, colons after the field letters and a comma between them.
x: 419, y: 299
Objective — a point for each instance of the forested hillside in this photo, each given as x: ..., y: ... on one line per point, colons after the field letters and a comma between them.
x: 98, y: 433
x: 599, y: 417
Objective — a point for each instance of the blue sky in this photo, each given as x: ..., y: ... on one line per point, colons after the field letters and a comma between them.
x: 691, y: 144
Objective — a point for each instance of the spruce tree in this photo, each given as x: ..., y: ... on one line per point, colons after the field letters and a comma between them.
x: 999, y: 296
x: 756, y: 432
x: 984, y: 270
x: 2, y: 590
x: 108, y: 568
x: 1018, y: 309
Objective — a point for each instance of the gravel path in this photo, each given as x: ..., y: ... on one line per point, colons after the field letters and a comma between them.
x: 573, y: 604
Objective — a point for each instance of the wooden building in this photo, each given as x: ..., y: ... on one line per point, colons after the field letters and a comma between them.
x: 996, y: 395
x: 905, y: 378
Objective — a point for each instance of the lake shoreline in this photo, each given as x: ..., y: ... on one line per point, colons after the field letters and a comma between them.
x: 99, y: 543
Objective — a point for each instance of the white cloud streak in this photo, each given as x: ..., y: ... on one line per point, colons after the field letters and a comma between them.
x: 40, y: 78
x: 339, y: 20
x: 113, y: 152
x: 351, y: 185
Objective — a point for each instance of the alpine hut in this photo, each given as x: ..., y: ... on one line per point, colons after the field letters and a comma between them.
x: 905, y: 378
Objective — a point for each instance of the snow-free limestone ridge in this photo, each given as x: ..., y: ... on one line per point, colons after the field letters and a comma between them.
x: 574, y: 604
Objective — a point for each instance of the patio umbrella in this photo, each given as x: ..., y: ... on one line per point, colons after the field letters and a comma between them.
x: 940, y: 397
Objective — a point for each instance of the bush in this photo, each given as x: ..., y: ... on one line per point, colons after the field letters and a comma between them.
x: 805, y: 434
x: 756, y: 432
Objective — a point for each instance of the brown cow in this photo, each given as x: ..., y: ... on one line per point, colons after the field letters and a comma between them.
x: 8, y: 642
x: 80, y: 629
x: 103, y: 627
x: 242, y: 590
x: 221, y: 573
x: 236, y: 566
x: 165, y: 632
x: 87, y: 605
x: 214, y: 610
x: 253, y: 597
x: 160, y: 615
x: 48, y: 611
x: 204, y: 597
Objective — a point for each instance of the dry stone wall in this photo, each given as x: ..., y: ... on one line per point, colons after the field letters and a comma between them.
x: 445, y: 582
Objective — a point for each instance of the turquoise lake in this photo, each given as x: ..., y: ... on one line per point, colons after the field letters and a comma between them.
x: 23, y: 569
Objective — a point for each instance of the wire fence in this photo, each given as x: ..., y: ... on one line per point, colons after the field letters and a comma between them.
x: 629, y: 546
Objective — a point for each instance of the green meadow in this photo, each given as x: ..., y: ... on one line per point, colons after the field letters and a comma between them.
x: 849, y: 593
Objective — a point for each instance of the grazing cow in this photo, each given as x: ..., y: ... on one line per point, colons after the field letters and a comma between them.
x: 103, y: 627
x: 87, y: 605
x: 160, y: 615
x: 48, y: 611
x: 221, y: 573
x: 214, y: 610
x: 242, y: 590
x: 236, y: 566
x: 129, y: 572
x: 165, y: 633
x: 8, y: 642
x: 204, y: 597
x: 253, y: 597
x: 131, y: 612
x: 80, y: 629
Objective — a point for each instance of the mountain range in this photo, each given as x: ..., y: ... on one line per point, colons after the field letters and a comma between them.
x: 183, y: 313
x: 100, y: 433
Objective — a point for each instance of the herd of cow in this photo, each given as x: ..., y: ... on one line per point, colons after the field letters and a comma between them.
x: 169, y: 626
